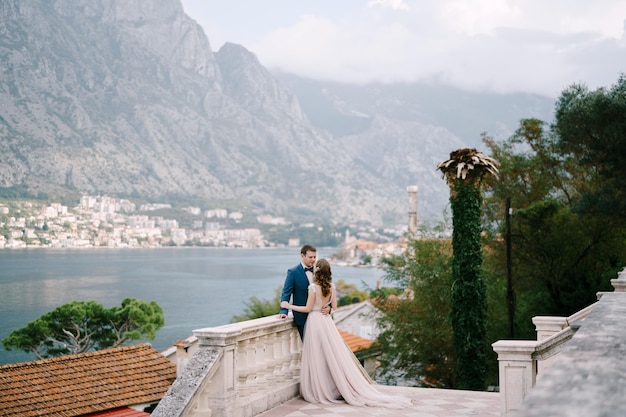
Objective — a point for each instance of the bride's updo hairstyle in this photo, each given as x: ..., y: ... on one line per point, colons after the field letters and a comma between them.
x: 323, y: 276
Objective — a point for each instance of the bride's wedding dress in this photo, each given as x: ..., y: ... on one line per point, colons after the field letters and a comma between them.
x: 330, y: 373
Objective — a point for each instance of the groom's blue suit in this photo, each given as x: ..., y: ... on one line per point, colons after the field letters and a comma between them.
x: 296, y: 284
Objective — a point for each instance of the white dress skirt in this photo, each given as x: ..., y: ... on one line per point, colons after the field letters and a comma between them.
x: 330, y: 373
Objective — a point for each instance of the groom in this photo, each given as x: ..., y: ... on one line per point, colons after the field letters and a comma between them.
x: 297, y: 286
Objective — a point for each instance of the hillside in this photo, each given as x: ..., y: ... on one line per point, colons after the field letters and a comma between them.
x: 127, y: 98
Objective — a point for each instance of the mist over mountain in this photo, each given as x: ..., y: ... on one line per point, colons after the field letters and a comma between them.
x: 126, y: 98
x: 400, y: 132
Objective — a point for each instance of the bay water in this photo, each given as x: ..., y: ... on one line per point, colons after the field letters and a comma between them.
x: 195, y: 287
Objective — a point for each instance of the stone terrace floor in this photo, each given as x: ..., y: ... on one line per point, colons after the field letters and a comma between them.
x: 427, y: 402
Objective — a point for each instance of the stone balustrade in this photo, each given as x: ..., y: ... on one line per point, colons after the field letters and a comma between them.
x: 522, y: 362
x: 235, y: 370
x: 244, y: 369
x: 589, y: 376
x: 519, y: 362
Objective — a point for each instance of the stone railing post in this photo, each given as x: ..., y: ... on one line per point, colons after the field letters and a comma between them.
x: 547, y: 326
x: 222, y: 389
x: 619, y: 284
x: 517, y: 372
x: 181, y: 357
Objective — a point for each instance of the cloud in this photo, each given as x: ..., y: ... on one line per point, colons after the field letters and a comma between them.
x: 495, y: 45
x: 389, y: 4
x: 474, y: 17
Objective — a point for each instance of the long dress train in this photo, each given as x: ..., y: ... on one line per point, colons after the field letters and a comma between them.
x: 330, y: 373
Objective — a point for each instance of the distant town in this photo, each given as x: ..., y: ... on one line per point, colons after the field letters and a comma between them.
x: 102, y: 221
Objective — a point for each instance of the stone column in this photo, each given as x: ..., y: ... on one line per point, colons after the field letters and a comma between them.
x: 221, y: 392
x: 181, y: 356
x: 517, y: 372
x: 412, y: 190
x: 619, y: 284
x: 546, y: 326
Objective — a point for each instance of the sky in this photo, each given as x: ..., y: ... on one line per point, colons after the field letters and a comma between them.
x: 534, y: 46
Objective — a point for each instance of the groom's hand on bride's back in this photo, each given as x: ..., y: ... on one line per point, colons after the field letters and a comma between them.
x: 326, y: 309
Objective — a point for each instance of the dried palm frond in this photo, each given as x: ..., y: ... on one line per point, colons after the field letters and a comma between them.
x: 464, y: 162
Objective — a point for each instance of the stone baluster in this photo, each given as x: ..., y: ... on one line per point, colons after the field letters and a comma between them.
x: 276, y: 352
x: 272, y: 358
x: 243, y: 371
x: 254, y: 352
x: 295, y: 344
x: 284, y: 355
x: 285, y: 338
x: 517, y: 372
x: 260, y: 362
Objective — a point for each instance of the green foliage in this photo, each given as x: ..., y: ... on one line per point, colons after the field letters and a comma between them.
x: 417, y: 340
x: 385, y: 292
x: 353, y: 298
x: 569, y: 273
x: 591, y: 127
x: 256, y: 307
x: 323, y: 236
x: 562, y: 255
x: 16, y: 191
x: 82, y: 326
x: 465, y: 173
x: 469, y: 308
x: 531, y: 169
x: 349, y: 293
x: 343, y: 288
x: 136, y: 319
x: 545, y: 185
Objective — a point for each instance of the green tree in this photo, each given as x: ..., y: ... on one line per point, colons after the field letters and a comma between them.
x: 343, y: 288
x: 135, y: 320
x: 256, y: 307
x: 353, y: 298
x: 592, y: 128
x: 416, y: 342
x: 349, y: 293
x: 544, y: 185
x: 464, y: 173
x: 82, y: 326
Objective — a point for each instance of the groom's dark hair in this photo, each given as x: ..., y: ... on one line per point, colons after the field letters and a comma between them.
x: 307, y: 248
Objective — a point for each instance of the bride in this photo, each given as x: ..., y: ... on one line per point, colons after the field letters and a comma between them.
x: 330, y: 373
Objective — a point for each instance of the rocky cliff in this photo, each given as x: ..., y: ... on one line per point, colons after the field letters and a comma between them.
x: 126, y: 97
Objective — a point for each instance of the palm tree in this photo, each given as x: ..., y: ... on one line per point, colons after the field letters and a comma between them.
x: 464, y: 172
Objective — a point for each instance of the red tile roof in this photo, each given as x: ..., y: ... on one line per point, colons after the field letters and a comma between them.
x: 85, y: 383
x: 354, y: 342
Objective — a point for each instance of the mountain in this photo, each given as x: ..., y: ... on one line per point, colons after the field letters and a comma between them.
x: 400, y: 132
x: 345, y: 109
x: 126, y: 97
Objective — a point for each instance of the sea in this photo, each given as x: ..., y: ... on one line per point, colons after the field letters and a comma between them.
x: 195, y: 287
